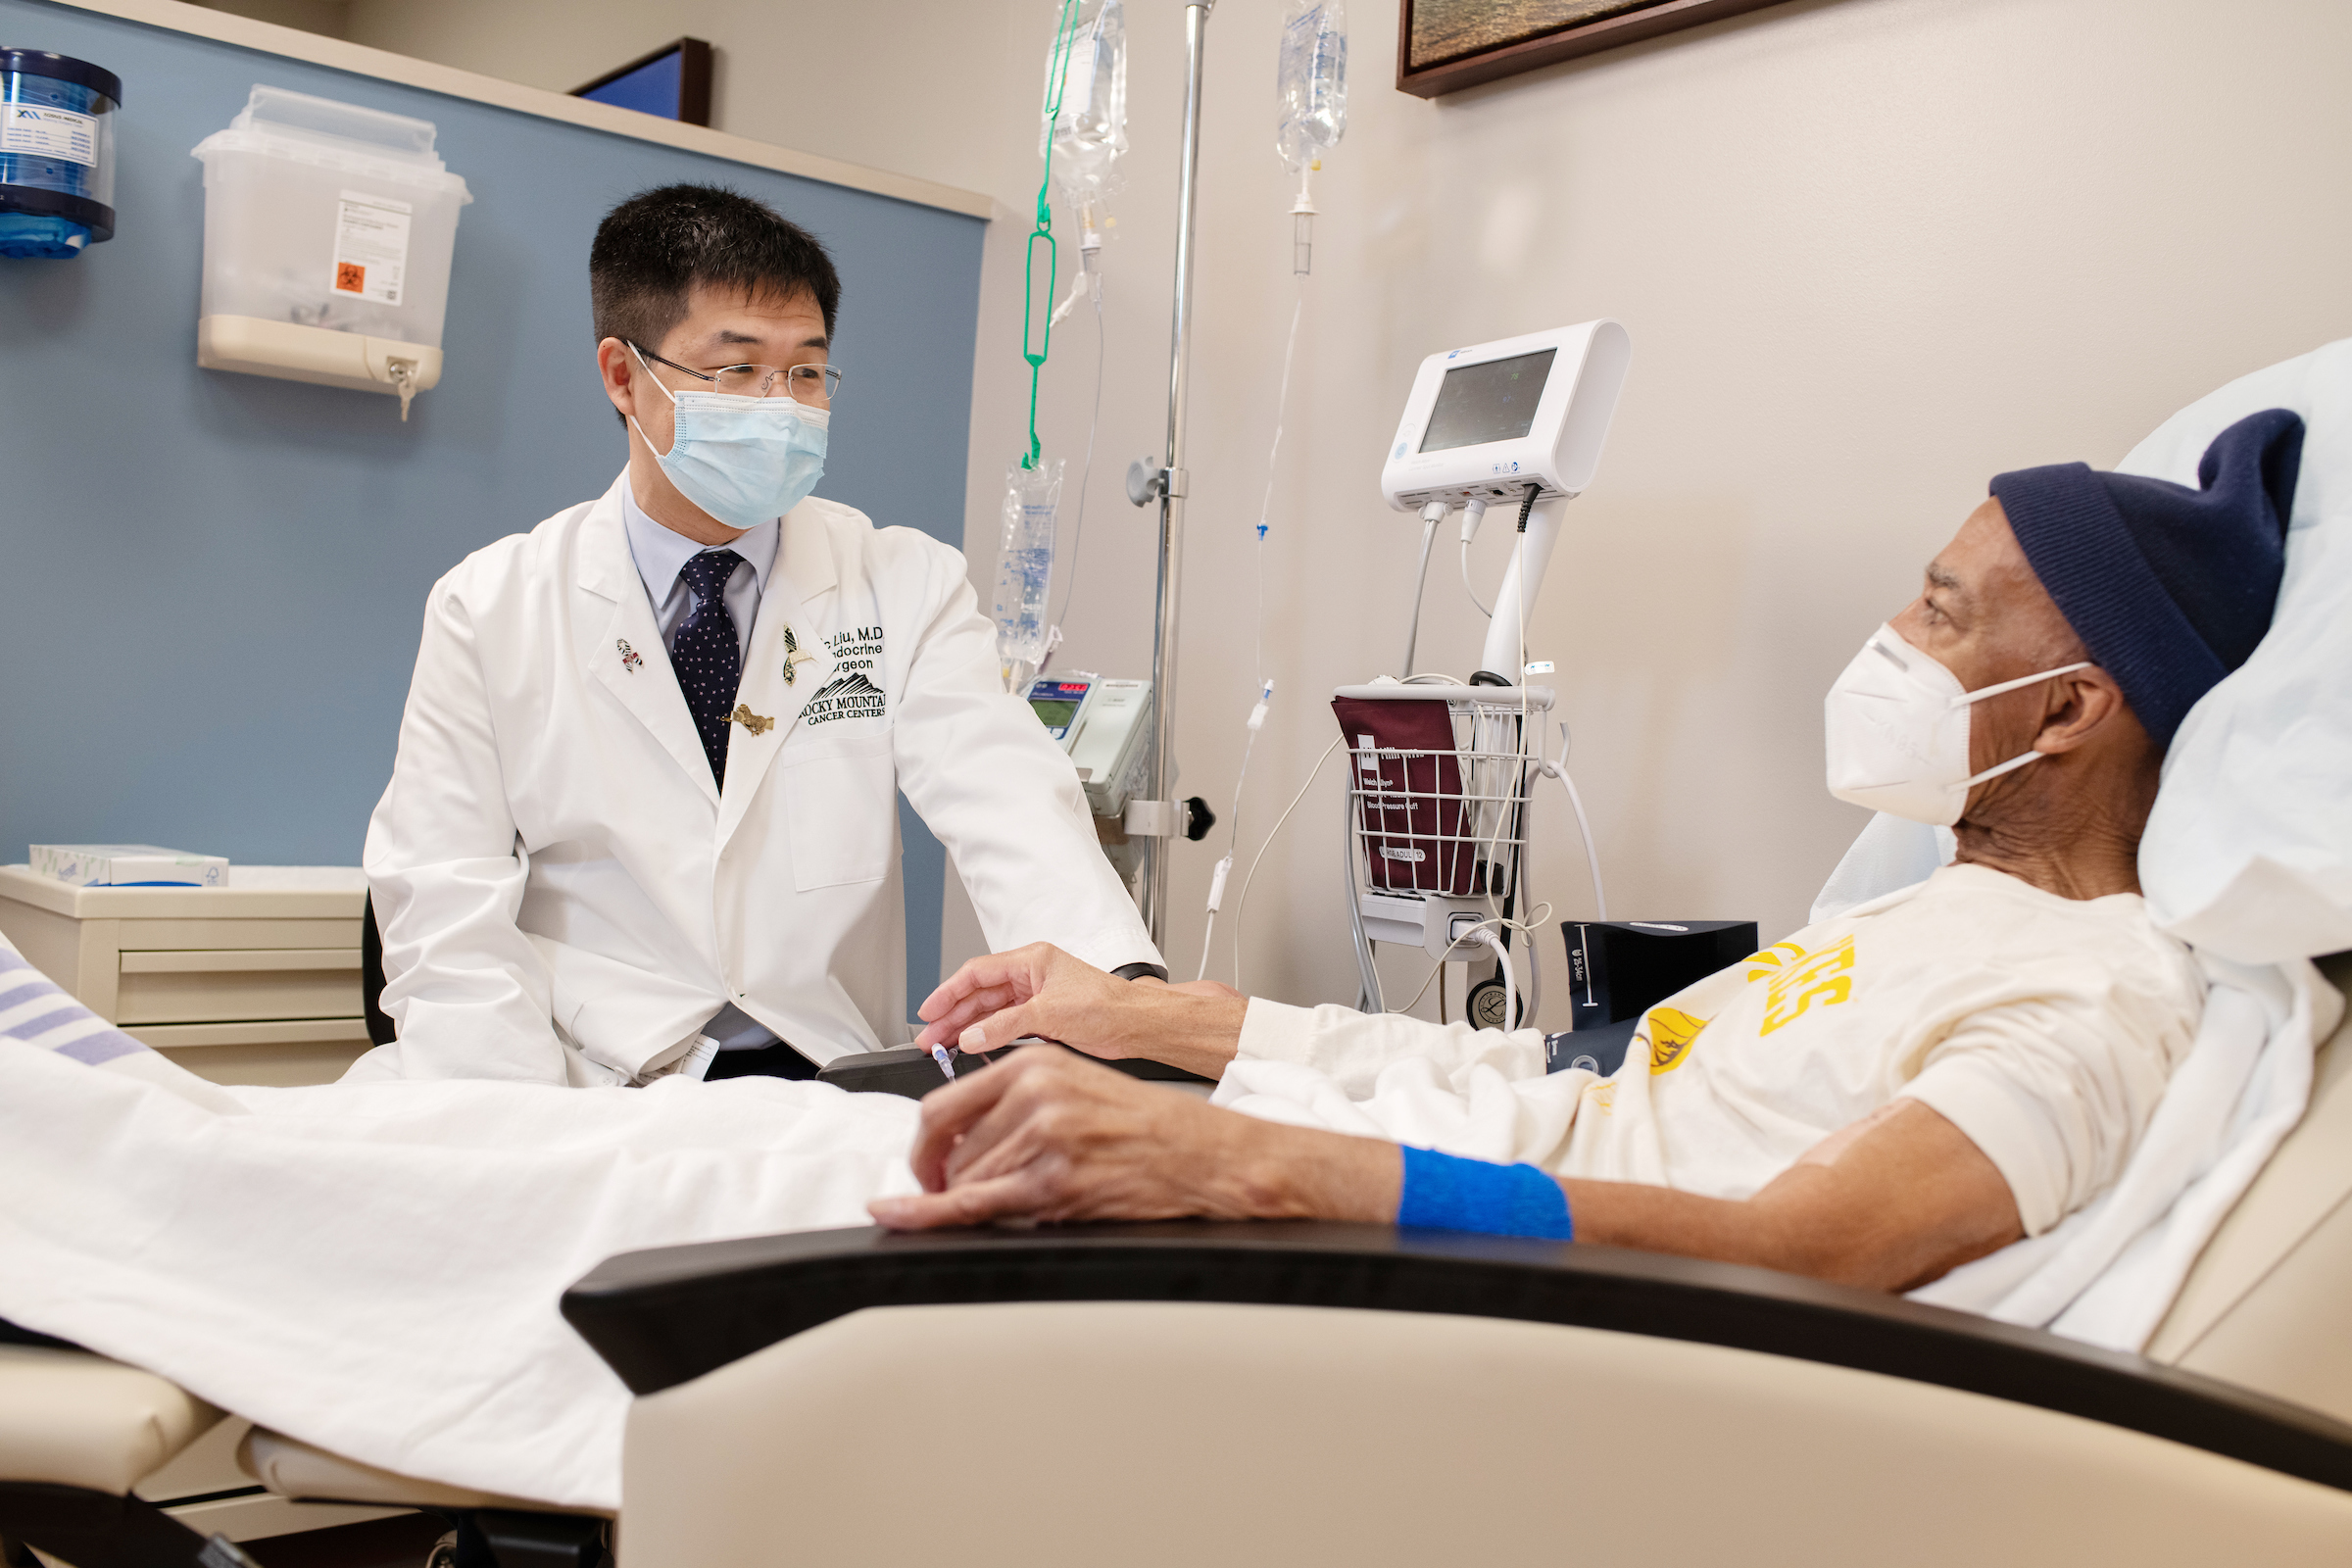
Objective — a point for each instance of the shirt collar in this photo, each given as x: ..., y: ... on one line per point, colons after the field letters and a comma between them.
x: 661, y: 553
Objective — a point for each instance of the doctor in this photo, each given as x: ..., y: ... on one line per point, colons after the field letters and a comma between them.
x: 644, y: 815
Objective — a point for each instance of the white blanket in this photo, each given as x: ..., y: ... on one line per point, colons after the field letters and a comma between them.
x: 375, y: 1268
x: 2110, y: 1271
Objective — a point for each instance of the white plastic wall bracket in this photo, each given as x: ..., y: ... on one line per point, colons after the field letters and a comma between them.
x: 317, y: 354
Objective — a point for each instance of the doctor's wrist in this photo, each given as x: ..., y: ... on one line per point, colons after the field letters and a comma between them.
x: 1139, y: 971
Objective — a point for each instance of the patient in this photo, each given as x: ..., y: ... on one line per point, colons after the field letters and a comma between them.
x: 1878, y: 1100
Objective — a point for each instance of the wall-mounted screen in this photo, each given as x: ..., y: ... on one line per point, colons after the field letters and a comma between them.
x: 673, y: 83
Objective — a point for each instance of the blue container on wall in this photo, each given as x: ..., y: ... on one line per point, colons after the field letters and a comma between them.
x: 56, y: 153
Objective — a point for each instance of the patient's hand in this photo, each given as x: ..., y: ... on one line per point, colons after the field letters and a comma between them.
x: 1042, y: 991
x: 1045, y: 1136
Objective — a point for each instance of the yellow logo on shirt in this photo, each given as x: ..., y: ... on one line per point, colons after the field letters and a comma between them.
x: 1671, y: 1036
x: 1760, y: 964
x: 1796, y: 987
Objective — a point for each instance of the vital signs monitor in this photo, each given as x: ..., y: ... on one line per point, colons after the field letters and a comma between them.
x: 1485, y: 423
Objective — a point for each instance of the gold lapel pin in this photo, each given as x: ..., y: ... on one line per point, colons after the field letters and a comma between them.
x: 756, y: 723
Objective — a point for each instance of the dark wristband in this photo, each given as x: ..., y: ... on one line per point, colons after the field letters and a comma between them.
x: 1136, y: 971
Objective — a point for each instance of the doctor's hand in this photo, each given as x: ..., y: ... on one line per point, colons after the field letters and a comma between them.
x: 1042, y: 991
x: 1044, y: 1135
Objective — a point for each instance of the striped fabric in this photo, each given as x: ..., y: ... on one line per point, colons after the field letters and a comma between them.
x: 35, y: 1011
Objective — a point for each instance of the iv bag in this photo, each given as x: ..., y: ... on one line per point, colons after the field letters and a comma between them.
x: 1311, y: 86
x: 1025, y: 568
x: 1089, y: 133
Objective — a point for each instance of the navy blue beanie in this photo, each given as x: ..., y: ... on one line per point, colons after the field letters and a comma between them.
x: 2170, y: 588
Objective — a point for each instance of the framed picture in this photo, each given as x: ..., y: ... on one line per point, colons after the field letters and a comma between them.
x: 1445, y: 45
x: 673, y: 83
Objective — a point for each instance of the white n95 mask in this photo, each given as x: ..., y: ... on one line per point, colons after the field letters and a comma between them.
x: 1897, y: 722
x: 742, y: 459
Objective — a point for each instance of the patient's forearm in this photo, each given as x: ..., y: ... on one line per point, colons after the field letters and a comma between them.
x: 1894, y: 1203
x: 1790, y: 1229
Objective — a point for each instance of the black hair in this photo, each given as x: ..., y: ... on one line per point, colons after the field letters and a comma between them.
x: 657, y: 245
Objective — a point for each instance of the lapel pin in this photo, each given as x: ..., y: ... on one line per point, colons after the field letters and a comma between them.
x: 628, y: 656
x: 795, y: 656
x: 756, y: 723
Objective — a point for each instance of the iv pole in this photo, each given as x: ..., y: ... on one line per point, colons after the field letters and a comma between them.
x: 1163, y: 821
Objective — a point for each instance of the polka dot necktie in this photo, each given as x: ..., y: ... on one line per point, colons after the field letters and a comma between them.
x: 708, y: 661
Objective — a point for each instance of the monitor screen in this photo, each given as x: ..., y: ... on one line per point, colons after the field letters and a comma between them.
x: 1056, y: 712
x: 1491, y: 401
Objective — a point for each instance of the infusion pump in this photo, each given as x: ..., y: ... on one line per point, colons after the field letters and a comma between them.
x: 1105, y: 727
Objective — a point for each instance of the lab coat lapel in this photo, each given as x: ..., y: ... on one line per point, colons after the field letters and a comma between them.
x: 786, y: 633
x: 628, y: 657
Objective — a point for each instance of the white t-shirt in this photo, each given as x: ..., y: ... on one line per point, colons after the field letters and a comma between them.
x: 2044, y: 1028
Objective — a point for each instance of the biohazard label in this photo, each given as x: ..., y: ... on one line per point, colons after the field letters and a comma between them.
x: 852, y: 692
x: 371, y: 247
x: 39, y: 131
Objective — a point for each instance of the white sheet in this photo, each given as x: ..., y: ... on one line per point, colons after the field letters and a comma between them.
x: 375, y: 1268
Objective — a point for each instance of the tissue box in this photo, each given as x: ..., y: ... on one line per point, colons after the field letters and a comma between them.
x: 124, y: 865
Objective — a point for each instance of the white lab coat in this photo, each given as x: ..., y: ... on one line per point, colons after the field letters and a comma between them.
x: 565, y: 896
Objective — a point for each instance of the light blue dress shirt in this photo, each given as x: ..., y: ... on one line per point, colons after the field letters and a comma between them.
x: 661, y: 553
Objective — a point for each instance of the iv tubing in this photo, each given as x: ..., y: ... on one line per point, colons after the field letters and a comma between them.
x: 1265, y: 505
x: 1069, y: 591
x: 1217, y: 886
x: 1243, y: 903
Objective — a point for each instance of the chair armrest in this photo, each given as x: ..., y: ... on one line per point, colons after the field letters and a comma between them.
x: 665, y: 1316
x: 913, y: 1072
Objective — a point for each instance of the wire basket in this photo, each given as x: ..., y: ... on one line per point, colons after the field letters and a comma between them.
x: 1437, y: 782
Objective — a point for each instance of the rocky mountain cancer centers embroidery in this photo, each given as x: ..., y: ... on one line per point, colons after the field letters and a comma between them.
x: 852, y: 693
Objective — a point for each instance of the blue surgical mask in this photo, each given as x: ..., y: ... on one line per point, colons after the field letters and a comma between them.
x: 745, y: 461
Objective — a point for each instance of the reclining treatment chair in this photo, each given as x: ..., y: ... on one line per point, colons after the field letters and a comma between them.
x: 1287, y: 1393
x: 1284, y: 1394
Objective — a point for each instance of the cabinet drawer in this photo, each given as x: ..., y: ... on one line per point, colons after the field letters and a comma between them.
x: 198, y: 935
x: 209, y: 986
x: 277, y: 1052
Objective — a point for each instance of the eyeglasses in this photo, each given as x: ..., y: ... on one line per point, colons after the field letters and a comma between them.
x: 817, y: 385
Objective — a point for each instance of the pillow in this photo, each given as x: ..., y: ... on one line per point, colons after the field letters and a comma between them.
x: 2248, y: 853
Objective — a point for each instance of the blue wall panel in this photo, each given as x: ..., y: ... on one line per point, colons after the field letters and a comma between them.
x: 211, y: 584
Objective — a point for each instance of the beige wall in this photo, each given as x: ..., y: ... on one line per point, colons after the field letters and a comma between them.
x: 1870, y: 251
x: 328, y: 18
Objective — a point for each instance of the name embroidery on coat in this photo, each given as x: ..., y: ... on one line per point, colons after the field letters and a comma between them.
x: 854, y: 692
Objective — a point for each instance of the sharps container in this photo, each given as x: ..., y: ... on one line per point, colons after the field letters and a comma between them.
x: 56, y: 153
x: 327, y: 236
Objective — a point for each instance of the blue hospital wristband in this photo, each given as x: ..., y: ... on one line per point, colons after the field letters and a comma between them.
x: 1446, y: 1192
